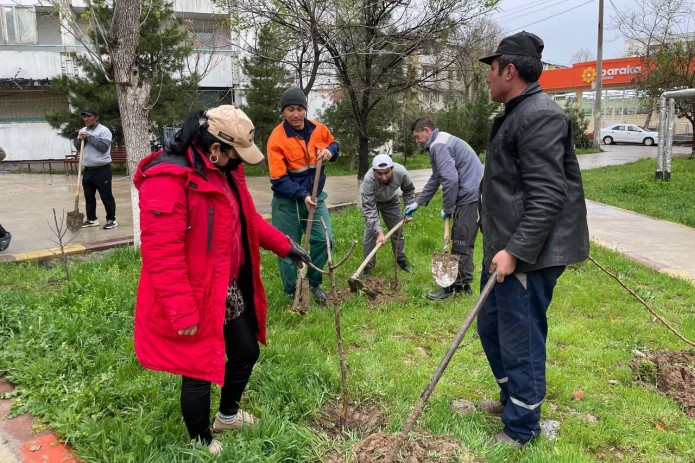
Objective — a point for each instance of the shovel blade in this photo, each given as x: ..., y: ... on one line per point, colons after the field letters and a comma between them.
x: 445, y: 268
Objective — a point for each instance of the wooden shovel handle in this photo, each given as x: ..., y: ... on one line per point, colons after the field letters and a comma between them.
x: 307, y: 235
x: 447, y: 236
x: 79, y: 173
x: 376, y: 248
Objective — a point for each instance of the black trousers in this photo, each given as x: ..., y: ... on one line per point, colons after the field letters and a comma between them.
x: 242, y: 353
x: 98, y: 179
x: 463, y: 233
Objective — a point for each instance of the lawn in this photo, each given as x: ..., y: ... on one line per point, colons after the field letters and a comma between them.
x: 632, y: 186
x: 67, y: 345
x: 341, y: 166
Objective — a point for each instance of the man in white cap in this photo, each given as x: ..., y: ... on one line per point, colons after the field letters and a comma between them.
x: 379, y: 193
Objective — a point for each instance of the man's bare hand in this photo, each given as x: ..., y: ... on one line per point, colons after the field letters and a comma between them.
x: 380, y: 238
x: 190, y: 331
x: 82, y: 135
x: 324, y: 155
x: 504, y: 263
x: 309, y: 202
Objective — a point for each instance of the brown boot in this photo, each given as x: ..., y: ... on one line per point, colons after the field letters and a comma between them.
x: 491, y: 407
x: 503, y: 438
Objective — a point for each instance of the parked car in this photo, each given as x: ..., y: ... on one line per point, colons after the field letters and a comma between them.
x: 628, y: 133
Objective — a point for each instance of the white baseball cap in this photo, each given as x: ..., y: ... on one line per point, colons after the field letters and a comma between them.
x: 382, y: 161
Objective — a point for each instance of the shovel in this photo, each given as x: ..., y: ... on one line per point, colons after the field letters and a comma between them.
x: 420, y: 405
x: 75, y: 218
x: 445, y: 267
x: 354, y: 282
x: 301, y: 291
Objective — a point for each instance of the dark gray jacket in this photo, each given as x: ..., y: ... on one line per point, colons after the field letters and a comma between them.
x: 456, y: 167
x: 532, y: 199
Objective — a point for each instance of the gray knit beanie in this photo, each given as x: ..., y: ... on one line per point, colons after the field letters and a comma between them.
x: 293, y: 95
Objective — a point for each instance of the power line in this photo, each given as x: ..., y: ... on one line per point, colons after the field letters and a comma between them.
x: 530, y: 9
x: 549, y: 17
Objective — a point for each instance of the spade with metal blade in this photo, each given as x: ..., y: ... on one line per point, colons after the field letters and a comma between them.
x: 445, y: 266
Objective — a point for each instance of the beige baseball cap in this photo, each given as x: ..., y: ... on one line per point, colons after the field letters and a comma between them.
x: 231, y: 125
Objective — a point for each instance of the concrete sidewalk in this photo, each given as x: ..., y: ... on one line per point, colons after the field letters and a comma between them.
x: 28, y: 200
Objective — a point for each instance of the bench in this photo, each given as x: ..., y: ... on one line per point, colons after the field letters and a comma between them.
x: 118, y: 157
x: 44, y: 163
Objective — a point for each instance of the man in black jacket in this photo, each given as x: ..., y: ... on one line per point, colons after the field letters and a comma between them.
x: 533, y: 220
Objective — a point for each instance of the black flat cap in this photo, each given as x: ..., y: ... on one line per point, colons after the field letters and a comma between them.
x: 89, y: 112
x: 522, y: 44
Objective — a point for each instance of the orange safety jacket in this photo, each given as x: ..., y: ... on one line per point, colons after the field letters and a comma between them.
x: 292, y: 160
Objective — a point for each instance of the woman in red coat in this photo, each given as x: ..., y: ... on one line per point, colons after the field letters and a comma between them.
x: 201, y: 307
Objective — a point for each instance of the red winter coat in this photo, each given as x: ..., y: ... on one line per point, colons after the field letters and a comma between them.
x: 185, y: 219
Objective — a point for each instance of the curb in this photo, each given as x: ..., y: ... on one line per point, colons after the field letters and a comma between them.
x: 74, y: 249
x: 19, y: 443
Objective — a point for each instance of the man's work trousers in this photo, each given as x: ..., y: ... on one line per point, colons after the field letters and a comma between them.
x: 463, y: 234
x: 391, y: 212
x: 98, y: 179
x: 290, y: 217
x: 513, y: 328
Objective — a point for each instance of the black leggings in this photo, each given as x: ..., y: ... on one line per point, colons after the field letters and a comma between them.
x: 242, y: 353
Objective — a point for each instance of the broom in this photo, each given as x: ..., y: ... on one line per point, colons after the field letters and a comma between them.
x: 76, y: 218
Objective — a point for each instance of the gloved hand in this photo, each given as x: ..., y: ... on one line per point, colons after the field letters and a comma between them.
x: 298, y: 255
x: 408, y: 211
x: 444, y: 214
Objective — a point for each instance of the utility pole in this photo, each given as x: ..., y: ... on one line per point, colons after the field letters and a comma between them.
x: 597, y: 82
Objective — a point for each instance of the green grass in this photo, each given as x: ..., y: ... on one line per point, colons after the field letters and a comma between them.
x: 632, y: 186
x: 68, y: 348
x: 342, y: 165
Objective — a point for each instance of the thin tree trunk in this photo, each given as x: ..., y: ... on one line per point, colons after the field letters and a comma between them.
x: 132, y: 90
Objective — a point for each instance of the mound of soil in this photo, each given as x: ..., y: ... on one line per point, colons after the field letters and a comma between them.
x: 418, y: 449
x: 362, y: 418
x: 381, y: 291
x: 672, y: 371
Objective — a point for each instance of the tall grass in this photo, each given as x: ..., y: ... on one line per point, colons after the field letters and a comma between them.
x: 68, y: 348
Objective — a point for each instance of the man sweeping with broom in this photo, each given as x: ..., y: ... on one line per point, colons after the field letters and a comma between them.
x: 294, y: 149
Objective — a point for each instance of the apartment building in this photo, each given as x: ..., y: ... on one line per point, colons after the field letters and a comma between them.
x: 39, y: 42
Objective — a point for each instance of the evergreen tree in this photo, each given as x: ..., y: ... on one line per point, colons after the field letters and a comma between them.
x: 579, y: 123
x: 162, y: 52
x: 268, y: 79
x: 340, y: 118
x: 470, y: 120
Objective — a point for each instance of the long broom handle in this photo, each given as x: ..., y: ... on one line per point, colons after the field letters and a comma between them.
x: 310, y: 219
x: 79, y: 174
x: 419, y: 407
x: 376, y: 248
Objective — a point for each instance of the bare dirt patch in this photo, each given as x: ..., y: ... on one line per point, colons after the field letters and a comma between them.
x: 418, y: 449
x: 382, y: 291
x: 363, y: 419
x: 673, y: 373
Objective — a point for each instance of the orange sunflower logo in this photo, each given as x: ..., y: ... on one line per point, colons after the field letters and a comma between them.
x: 589, y: 75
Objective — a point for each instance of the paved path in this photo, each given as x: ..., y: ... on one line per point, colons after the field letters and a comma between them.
x: 28, y: 200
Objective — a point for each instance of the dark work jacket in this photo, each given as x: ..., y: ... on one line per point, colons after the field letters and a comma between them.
x: 532, y: 199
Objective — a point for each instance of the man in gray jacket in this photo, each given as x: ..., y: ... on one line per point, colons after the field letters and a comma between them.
x: 379, y: 194
x: 533, y: 220
x: 456, y: 167
x: 96, y: 176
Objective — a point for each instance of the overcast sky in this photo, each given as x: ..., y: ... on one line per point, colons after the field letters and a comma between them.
x: 564, y: 25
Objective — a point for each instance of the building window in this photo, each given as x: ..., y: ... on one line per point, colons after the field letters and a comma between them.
x: 18, y: 24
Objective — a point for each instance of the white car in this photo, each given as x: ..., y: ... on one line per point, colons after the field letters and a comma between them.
x: 628, y: 133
